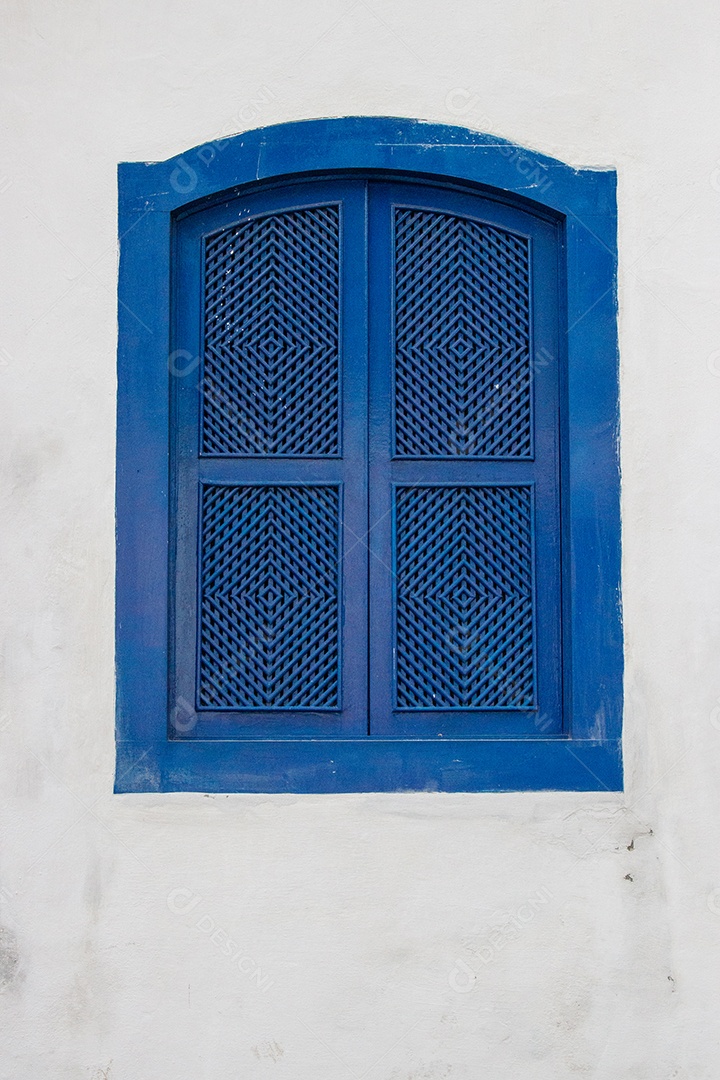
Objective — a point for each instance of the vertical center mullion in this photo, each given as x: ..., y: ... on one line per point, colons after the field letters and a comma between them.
x: 380, y: 409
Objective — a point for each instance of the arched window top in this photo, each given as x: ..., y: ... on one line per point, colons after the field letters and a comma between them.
x: 397, y: 145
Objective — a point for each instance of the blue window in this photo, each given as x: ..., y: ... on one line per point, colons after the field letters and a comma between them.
x: 368, y: 526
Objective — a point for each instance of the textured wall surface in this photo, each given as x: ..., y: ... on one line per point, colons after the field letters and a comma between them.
x: 391, y: 937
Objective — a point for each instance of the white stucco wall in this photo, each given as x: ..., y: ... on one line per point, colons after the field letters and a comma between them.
x: 422, y: 937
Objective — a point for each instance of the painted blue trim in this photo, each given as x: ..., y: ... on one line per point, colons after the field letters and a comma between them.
x: 582, y: 202
x: 322, y: 766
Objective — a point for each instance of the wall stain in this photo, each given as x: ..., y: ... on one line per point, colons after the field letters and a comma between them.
x: 269, y: 1050
x: 103, y: 1074
x: 9, y: 957
x: 631, y: 845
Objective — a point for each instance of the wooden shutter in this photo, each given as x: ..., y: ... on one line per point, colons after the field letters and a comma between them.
x: 271, y: 585
x: 464, y: 467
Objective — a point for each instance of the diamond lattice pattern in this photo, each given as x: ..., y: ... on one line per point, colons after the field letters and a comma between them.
x: 462, y: 338
x: 269, y: 615
x: 271, y: 361
x: 464, y: 624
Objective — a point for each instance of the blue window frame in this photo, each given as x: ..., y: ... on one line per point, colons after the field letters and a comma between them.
x: 368, y: 490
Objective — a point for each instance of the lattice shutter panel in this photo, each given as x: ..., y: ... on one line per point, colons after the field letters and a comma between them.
x: 464, y: 618
x: 271, y: 365
x: 462, y: 338
x: 269, y: 609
